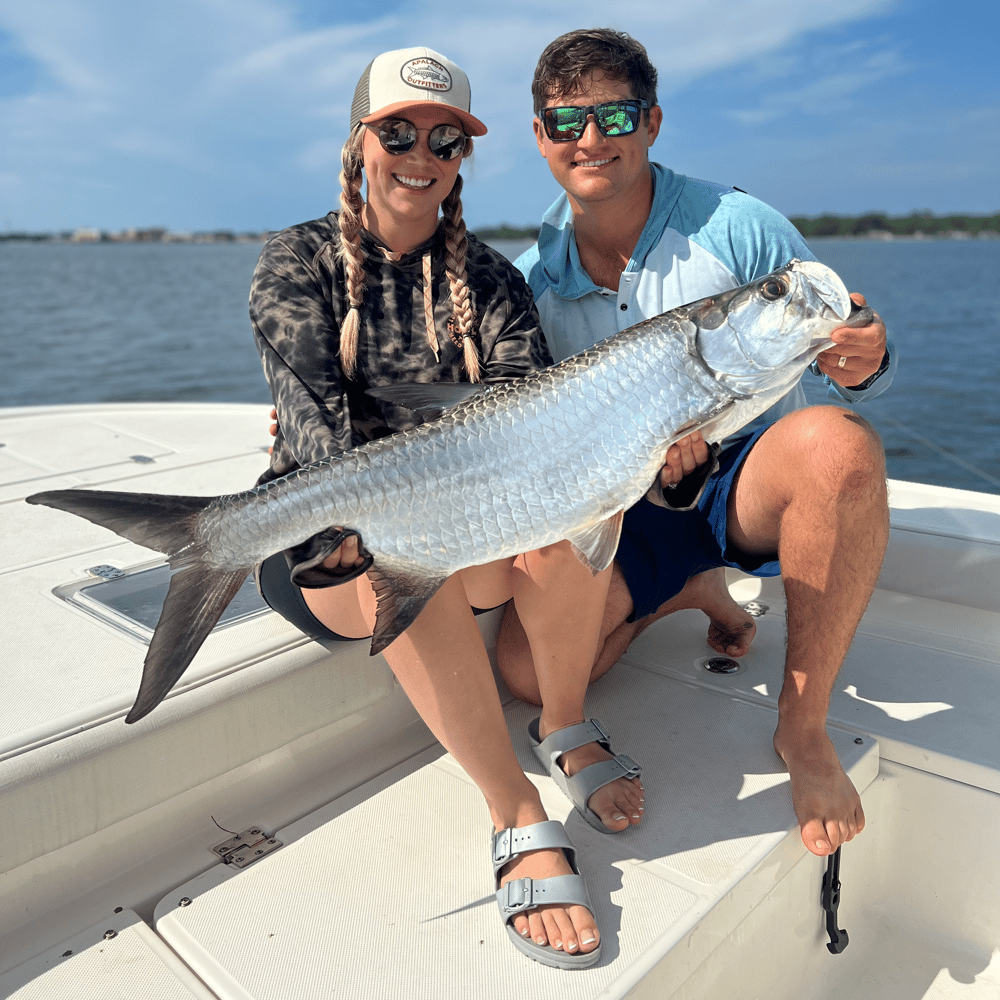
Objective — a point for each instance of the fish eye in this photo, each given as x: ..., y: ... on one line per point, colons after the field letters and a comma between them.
x: 773, y: 289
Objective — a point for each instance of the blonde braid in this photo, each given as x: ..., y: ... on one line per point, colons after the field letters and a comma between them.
x: 463, y: 315
x: 350, y: 254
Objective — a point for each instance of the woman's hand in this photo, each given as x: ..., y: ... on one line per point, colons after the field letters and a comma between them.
x: 346, y: 556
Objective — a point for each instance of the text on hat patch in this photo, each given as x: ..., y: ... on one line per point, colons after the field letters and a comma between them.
x: 425, y: 74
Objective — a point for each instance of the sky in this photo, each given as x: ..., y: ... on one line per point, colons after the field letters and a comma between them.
x: 201, y: 115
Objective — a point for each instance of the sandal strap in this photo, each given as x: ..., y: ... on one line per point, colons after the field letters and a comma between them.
x: 549, y: 750
x: 522, y: 894
x: 509, y: 843
x: 584, y: 783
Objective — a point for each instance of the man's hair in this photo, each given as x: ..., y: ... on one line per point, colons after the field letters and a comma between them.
x: 566, y: 63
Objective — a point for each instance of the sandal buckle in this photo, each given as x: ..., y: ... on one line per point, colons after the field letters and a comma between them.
x: 629, y: 766
x: 502, y: 847
x: 518, y: 894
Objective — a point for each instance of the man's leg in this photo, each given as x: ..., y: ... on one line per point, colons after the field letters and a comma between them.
x: 813, y: 490
x: 731, y: 629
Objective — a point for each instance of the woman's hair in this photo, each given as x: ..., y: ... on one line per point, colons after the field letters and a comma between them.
x: 462, y: 322
x: 566, y: 63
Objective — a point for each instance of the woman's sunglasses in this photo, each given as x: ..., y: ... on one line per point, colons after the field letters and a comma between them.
x: 614, y: 118
x: 400, y: 136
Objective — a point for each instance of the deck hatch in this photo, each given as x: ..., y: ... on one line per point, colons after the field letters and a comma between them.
x: 131, y: 600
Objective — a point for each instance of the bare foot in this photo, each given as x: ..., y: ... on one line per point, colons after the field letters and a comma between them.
x: 732, y: 629
x: 571, y: 929
x: 619, y: 804
x: 826, y: 803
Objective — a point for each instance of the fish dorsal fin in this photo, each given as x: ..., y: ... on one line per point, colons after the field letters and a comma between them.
x: 428, y: 399
x: 401, y: 594
x: 596, y: 543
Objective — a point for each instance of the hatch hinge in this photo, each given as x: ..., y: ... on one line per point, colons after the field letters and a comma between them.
x: 245, y: 848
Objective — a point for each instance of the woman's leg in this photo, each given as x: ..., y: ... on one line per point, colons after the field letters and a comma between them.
x: 560, y: 605
x: 443, y: 667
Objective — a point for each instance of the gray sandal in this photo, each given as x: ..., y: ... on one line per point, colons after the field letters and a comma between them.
x: 583, y: 784
x: 521, y: 894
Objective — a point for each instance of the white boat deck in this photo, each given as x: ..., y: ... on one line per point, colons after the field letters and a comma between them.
x: 382, y: 884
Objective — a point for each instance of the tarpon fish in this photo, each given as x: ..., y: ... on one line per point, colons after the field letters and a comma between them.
x: 501, y: 470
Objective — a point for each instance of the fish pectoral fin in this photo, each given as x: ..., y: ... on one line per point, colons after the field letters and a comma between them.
x: 401, y: 595
x: 430, y: 400
x: 596, y: 543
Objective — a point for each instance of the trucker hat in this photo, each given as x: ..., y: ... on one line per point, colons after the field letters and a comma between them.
x: 406, y: 78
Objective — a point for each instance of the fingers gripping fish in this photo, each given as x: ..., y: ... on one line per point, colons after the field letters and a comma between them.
x: 559, y: 454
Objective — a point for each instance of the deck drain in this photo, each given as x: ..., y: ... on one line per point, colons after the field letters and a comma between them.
x: 720, y: 665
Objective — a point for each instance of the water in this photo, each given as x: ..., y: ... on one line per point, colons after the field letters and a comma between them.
x: 124, y: 322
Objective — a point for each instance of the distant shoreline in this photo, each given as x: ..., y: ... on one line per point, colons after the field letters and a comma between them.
x: 871, y: 225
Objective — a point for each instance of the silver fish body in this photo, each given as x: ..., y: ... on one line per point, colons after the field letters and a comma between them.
x: 557, y: 455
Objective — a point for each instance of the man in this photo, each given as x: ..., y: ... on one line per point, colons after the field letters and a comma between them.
x: 627, y: 240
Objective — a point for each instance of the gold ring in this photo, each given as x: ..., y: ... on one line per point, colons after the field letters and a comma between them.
x: 842, y: 362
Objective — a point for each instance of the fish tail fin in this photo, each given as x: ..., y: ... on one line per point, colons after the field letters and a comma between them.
x: 198, y: 593
x: 195, y: 601
x: 161, y: 522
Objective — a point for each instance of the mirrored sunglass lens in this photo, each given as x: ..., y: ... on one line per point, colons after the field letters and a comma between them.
x: 397, y: 136
x: 565, y: 122
x: 447, y: 142
x: 616, y: 119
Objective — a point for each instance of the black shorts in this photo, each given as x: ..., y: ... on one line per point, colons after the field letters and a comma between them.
x: 280, y: 594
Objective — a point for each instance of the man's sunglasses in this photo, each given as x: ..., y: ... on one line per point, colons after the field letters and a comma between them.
x: 614, y: 118
x: 400, y: 136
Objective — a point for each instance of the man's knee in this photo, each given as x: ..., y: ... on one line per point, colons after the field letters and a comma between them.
x: 835, y: 444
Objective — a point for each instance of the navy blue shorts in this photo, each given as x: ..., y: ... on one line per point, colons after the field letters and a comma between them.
x: 661, y: 549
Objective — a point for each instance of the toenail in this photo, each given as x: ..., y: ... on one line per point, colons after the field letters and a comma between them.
x: 589, y: 940
x: 572, y: 946
x: 619, y: 818
x: 525, y: 932
x: 540, y: 939
x: 557, y: 945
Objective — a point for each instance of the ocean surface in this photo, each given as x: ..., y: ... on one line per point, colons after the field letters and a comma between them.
x: 111, y: 322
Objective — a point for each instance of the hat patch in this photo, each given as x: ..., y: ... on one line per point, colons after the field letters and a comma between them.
x: 426, y: 74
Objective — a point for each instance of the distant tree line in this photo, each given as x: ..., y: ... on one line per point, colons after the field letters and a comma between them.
x: 869, y: 224
x: 875, y: 223
x: 506, y: 232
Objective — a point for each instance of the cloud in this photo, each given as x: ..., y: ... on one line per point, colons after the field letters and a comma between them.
x: 204, y: 97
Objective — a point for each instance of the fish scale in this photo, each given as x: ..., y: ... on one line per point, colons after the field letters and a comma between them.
x: 508, y: 469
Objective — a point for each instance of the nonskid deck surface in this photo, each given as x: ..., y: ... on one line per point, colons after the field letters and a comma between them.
x: 387, y: 891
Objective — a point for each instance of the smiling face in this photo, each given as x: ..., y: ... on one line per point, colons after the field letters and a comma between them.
x: 596, y: 168
x: 405, y: 191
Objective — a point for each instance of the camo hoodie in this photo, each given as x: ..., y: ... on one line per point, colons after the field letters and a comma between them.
x: 298, y: 300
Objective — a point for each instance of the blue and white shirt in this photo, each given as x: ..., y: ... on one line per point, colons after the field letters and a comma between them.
x: 700, y: 239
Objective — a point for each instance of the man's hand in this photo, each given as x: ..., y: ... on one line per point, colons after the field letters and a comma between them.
x: 683, y: 457
x: 861, y: 347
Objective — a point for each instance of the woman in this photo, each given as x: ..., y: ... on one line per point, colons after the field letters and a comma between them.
x: 383, y: 292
